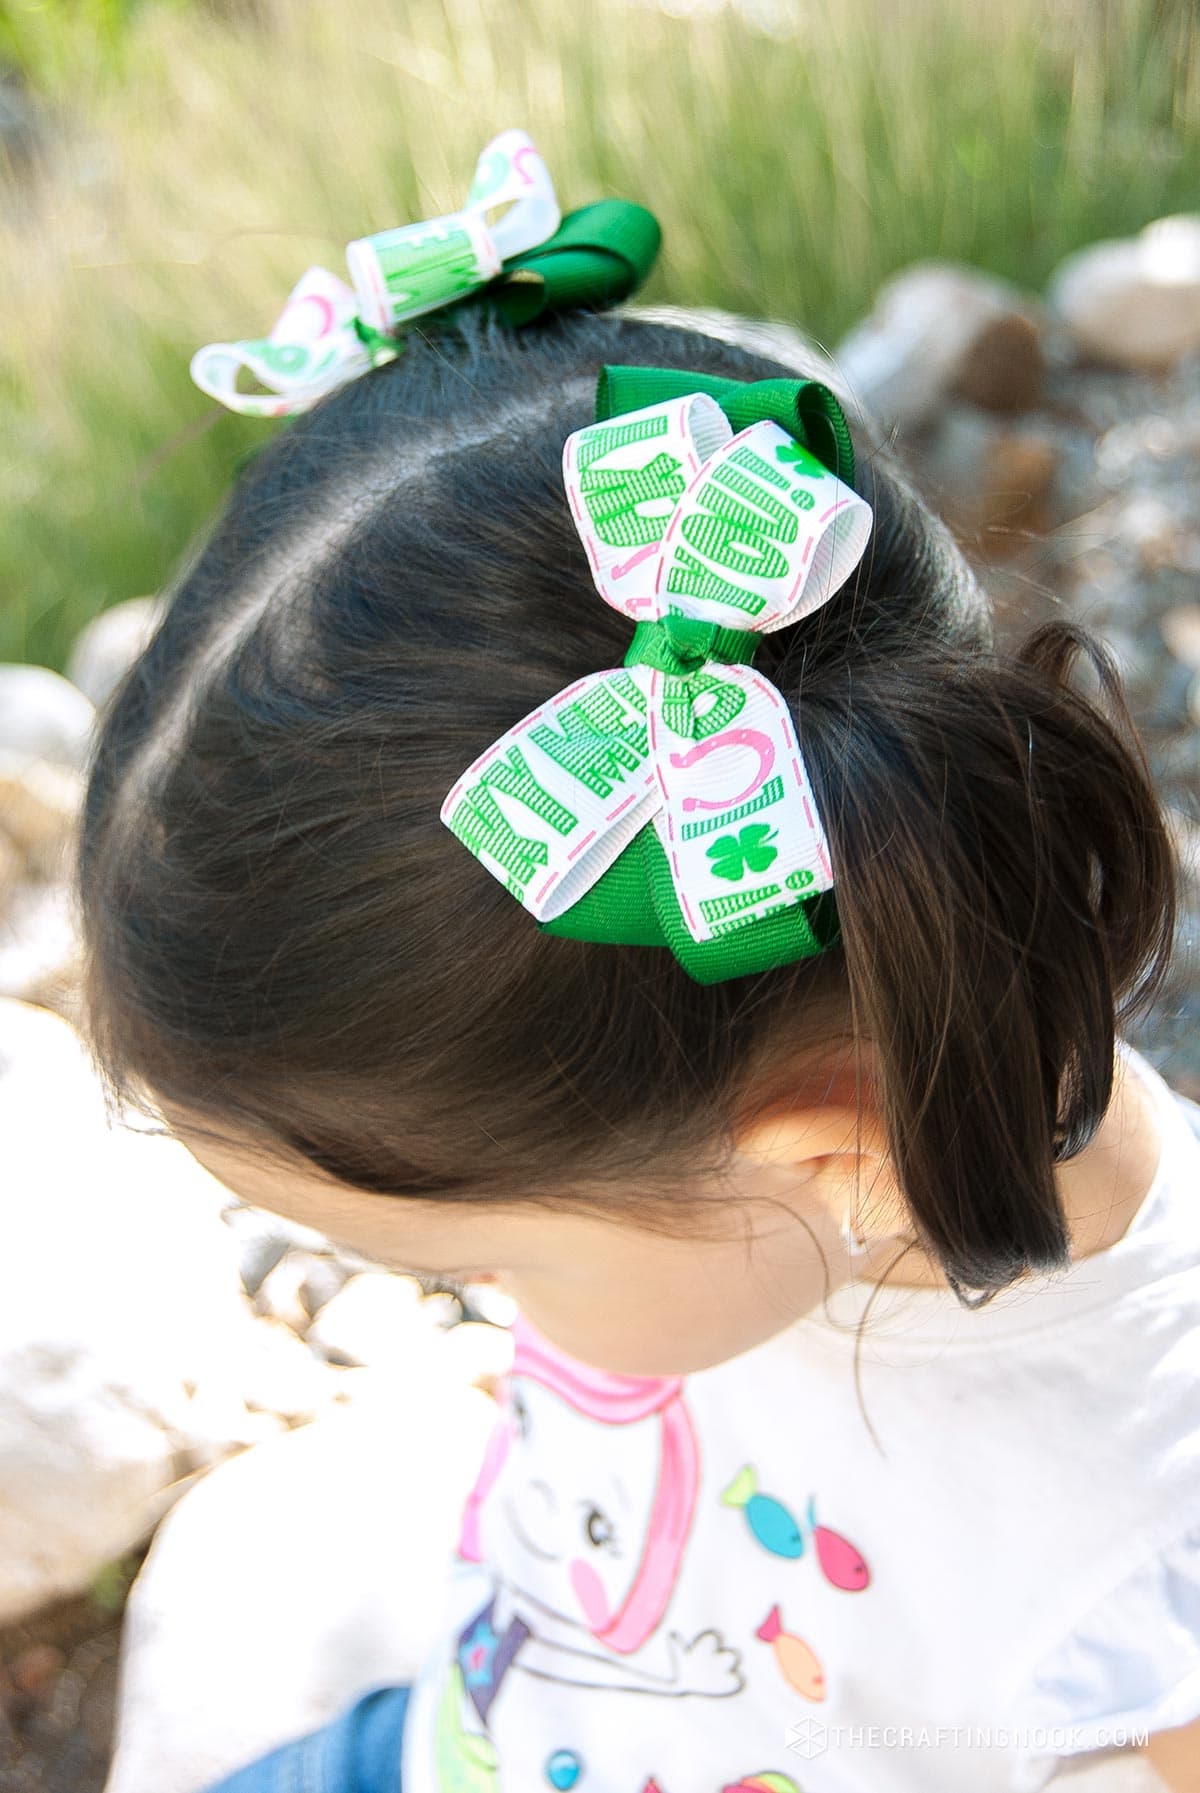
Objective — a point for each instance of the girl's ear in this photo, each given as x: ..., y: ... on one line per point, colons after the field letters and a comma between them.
x: 836, y: 1156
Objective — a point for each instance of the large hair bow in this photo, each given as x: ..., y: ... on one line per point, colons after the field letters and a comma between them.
x: 529, y: 261
x: 705, y: 537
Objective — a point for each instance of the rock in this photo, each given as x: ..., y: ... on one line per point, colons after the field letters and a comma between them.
x: 1181, y: 631
x: 939, y: 331
x: 263, y: 1239
x: 12, y: 867
x: 294, y: 1577
x: 984, y: 473
x: 105, y: 650
x: 282, y: 1376
x: 279, y: 1293
x: 125, y: 1339
x: 376, y: 1319
x: 326, y: 1275
x: 39, y: 810
x: 479, y: 1352
x: 37, y: 1668
x: 39, y: 945
x: 489, y: 1302
x: 1135, y: 302
x: 44, y: 717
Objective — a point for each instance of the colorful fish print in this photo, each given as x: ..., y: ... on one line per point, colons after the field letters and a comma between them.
x: 770, y: 1521
x: 798, y: 1661
x: 778, y: 1530
x: 841, y: 1564
x: 768, y: 1781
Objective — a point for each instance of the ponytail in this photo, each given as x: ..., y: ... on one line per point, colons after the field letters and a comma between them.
x: 1006, y: 895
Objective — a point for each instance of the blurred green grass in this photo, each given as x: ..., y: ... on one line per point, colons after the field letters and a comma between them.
x: 203, y: 157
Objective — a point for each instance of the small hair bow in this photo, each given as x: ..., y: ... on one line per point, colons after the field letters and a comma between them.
x: 530, y: 260
x: 706, y: 538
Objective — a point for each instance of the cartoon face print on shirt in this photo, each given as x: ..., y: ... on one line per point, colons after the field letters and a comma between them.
x: 581, y: 1511
x: 572, y: 1539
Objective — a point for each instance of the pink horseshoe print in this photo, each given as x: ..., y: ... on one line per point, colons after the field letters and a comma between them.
x: 753, y: 738
x: 526, y: 149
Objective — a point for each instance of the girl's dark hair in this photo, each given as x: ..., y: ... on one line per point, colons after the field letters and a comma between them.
x: 285, y: 940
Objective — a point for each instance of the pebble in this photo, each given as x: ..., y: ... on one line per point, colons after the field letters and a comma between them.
x: 37, y: 1668
x: 990, y: 474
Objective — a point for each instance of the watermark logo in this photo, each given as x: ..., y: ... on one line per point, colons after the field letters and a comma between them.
x: 810, y: 1737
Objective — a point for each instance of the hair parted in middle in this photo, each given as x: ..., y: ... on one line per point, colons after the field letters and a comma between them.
x: 284, y: 940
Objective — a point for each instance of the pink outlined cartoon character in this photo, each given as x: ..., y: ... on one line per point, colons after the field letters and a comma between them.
x: 584, y: 1566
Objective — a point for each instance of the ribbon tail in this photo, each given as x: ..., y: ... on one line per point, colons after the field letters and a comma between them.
x: 511, y: 172
x: 551, y: 804
x: 312, y: 347
x: 739, y: 822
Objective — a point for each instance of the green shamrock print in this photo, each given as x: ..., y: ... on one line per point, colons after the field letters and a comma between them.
x: 791, y: 451
x: 733, y: 855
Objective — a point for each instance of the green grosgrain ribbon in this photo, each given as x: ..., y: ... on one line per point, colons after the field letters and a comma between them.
x: 598, y: 256
x: 634, y: 902
x: 806, y: 409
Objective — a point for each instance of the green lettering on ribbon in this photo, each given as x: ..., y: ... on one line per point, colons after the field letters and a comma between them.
x: 689, y: 578
x: 481, y: 824
x: 771, y: 792
x: 599, y: 742
x: 739, y: 525
x: 752, y: 461
x: 612, y: 494
x: 720, y: 909
x: 423, y: 267
x: 679, y: 699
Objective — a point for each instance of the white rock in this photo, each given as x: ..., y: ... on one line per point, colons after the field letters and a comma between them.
x: 12, y: 867
x: 1135, y: 301
x: 481, y: 1352
x: 124, y: 1332
x: 39, y: 810
x: 44, y: 716
x: 263, y: 1239
x: 939, y: 331
x: 375, y: 1319
x: 282, y: 1376
x: 39, y: 942
x: 279, y: 1294
x: 104, y: 651
x: 295, y: 1577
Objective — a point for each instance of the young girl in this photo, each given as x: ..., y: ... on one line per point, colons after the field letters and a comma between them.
x: 851, y: 1443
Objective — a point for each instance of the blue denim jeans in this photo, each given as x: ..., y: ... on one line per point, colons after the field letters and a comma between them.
x: 357, y: 1752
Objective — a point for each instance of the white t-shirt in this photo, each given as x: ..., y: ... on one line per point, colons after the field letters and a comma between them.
x: 760, y: 1578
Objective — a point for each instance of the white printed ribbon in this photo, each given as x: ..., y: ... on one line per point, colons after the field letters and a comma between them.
x: 679, y: 516
x: 398, y: 275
